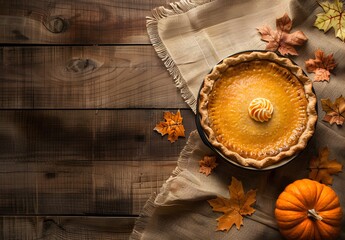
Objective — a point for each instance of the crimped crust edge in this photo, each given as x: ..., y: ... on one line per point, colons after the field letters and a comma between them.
x: 283, y: 61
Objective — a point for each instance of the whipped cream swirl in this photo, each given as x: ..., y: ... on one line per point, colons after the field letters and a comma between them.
x: 260, y: 109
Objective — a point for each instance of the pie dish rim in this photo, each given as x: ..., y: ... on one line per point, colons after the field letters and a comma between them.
x: 283, y: 157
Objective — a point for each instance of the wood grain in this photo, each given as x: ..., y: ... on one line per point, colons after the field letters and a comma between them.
x: 85, y: 77
x: 81, y: 89
x: 96, y: 188
x: 66, y: 227
x: 75, y: 22
x: 83, y: 162
x: 71, y: 135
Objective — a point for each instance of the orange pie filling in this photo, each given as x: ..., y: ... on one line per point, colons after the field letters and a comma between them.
x: 257, y: 111
x: 237, y: 130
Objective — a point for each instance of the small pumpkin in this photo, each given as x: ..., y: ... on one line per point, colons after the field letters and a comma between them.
x: 307, y: 210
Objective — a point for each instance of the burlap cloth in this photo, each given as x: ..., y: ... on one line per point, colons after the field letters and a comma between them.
x: 191, y: 37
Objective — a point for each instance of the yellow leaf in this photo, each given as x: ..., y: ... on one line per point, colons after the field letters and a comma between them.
x: 332, y: 17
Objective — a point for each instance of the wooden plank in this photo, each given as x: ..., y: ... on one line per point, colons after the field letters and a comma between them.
x: 99, y: 188
x: 84, y: 135
x: 75, y: 22
x: 66, y: 227
x: 77, y: 77
x: 105, y: 162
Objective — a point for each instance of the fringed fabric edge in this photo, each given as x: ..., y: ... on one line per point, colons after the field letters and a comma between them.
x: 182, y: 164
x: 150, y: 205
x: 143, y: 218
x: 187, y: 151
x: 152, y: 30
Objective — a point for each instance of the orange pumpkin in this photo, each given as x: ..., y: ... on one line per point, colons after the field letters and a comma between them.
x: 308, y: 210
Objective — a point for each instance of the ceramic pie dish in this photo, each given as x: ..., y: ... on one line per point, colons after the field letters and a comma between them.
x: 256, y: 109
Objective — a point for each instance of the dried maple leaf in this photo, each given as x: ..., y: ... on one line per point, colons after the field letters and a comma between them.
x: 239, y: 205
x: 321, y: 168
x: 321, y: 66
x: 282, y: 40
x: 171, y: 126
x: 333, y: 17
x: 335, y: 112
x: 207, y: 164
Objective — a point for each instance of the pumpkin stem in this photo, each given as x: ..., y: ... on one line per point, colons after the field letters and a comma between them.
x: 313, y: 214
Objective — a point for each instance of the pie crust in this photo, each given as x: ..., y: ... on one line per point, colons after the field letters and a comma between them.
x: 235, y: 108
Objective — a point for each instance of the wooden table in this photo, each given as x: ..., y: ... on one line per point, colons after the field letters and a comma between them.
x: 81, y: 91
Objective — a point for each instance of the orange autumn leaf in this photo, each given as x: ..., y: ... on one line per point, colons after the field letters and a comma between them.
x: 321, y: 168
x: 172, y: 125
x: 282, y: 40
x: 335, y: 112
x: 207, y: 164
x: 321, y: 66
x: 238, y: 205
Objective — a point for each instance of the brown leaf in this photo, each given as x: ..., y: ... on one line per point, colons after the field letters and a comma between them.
x: 171, y: 126
x: 239, y: 205
x: 207, y: 164
x: 321, y: 168
x: 321, y: 66
x: 282, y: 40
x: 335, y: 112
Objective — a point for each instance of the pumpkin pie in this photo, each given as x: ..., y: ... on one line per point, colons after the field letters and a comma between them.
x: 257, y: 108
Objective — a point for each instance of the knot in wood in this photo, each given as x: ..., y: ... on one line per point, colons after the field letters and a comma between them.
x: 56, y: 24
x: 80, y: 65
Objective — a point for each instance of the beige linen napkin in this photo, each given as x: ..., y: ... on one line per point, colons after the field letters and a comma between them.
x: 191, y: 37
